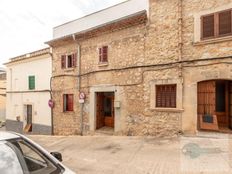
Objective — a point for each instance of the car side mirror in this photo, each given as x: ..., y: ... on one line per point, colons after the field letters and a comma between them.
x: 57, y: 155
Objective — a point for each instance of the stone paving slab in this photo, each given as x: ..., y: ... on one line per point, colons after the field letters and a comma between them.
x: 203, y: 154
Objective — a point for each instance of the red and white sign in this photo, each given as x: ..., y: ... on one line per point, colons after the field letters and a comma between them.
x: 50, y: 103
x: 82, y: 95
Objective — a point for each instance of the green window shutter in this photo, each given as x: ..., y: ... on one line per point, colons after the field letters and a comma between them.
x: 31, y: 82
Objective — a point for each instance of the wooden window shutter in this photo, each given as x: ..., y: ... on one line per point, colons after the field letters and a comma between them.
x: 105, y: 54
x: 63, y: 61
x: 225, y: 22
x: 208, y: 26
x: 166, y: 96
x: 158, y: 96
x: 74, y: 59
x: 100, y: 54
x: 31, y: 82
x: 70, y: 102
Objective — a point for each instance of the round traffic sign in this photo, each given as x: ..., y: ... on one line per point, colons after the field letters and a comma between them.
x: 82, y: 95
x: 50, y: 103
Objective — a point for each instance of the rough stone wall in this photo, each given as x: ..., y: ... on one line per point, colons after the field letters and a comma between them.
x: 162, y: 32
x: 207, y: 50
x: 145, y: 44
x: 203, y: 70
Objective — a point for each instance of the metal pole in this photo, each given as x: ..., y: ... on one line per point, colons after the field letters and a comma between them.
x: 81, y: 118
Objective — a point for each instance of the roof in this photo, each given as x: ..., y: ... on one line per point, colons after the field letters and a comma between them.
x: 29, y: 55
x: 99, y: 18
x: 7, y: 135
x: 128, y: 21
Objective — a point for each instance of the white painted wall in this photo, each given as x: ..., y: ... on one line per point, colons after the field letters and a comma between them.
x: 101, y: 17
x: 17, y: 89
x: 41, y: 112
x: 17, y: 74
x: 2, y: 99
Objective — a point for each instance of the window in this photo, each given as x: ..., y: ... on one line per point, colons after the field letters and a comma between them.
x: 216, y: 25
x: 9, y: 161
x: 31, y: 82
x: 68, y: 102
x: 166, y: 96
x: 103, y: 54
x: 31, y: 159
x: 68, y: 61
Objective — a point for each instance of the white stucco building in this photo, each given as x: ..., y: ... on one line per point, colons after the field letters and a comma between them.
x: 2, y: 94
x: 28, y: 93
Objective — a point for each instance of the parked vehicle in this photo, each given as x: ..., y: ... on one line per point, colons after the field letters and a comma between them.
x: 20, y: 155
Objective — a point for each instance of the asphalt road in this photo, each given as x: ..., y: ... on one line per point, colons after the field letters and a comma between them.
x: 203, y: 154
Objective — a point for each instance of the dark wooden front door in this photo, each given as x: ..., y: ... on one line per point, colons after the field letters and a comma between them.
x: 214, y: 98
x: 222, y: 105
x: 109, y: 110
x: 99, y: 113
x: 206, y: 98
x: 105, y: 110
x: 28, y: 127
x: 29, y: 114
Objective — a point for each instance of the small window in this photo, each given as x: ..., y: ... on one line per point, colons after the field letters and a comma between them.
x: 225, y: 23
x: 208, y: 26
x: 68, y: 102
x: 166, y: 96
x: 103, y: 54
x: 68, y: 61
x: 31, y: 82
x: 217, y: 24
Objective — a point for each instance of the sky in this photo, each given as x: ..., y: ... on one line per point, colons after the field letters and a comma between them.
x: 26, y: 24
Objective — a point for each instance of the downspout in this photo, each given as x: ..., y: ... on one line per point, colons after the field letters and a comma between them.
x: 180, y: 34
x: 52, y: 123
x: 79, y: 82
x: 51, y: 97
x: 180, y: 54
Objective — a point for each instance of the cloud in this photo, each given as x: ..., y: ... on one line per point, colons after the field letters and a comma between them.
x: 26, y: 24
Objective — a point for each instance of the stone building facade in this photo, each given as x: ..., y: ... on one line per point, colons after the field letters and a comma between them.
x: 157, y: 48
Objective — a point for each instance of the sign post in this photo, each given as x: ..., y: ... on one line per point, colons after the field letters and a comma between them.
x: 82, y: 101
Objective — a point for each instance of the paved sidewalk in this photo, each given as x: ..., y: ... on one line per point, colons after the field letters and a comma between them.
x: 206, y: 153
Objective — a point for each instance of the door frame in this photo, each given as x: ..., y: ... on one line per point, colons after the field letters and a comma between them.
x: 227, y: 101
x: 25, y: 114
x: 93, y: 99
x: 101, y: 119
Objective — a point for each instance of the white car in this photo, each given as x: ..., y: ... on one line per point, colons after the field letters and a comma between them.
x: 20, y: 155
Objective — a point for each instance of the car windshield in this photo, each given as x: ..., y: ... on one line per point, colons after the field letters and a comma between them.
x: 9, y: 163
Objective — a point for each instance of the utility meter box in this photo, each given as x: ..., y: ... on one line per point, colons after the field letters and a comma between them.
x: 117, y: 104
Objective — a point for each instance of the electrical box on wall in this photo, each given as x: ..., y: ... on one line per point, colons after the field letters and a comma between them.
x: 117, y: 104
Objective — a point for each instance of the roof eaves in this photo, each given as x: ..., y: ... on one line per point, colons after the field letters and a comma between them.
x: 96, y: 27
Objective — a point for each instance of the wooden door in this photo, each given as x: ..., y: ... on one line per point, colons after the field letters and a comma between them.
x: 206, y: 98
x: 99, y: 111
x: 28, y: 127
x: 222, y: 105
x: 29, y: 114
x: 109, y: 110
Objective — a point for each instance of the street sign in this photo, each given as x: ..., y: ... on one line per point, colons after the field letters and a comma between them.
x: 81, y: 101
x: 82, y: 95
x: 50, y: 103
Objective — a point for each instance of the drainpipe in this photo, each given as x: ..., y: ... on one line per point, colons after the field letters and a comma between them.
x: 180, y: 49
x: 51, y: 97
x: 79, y: 82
